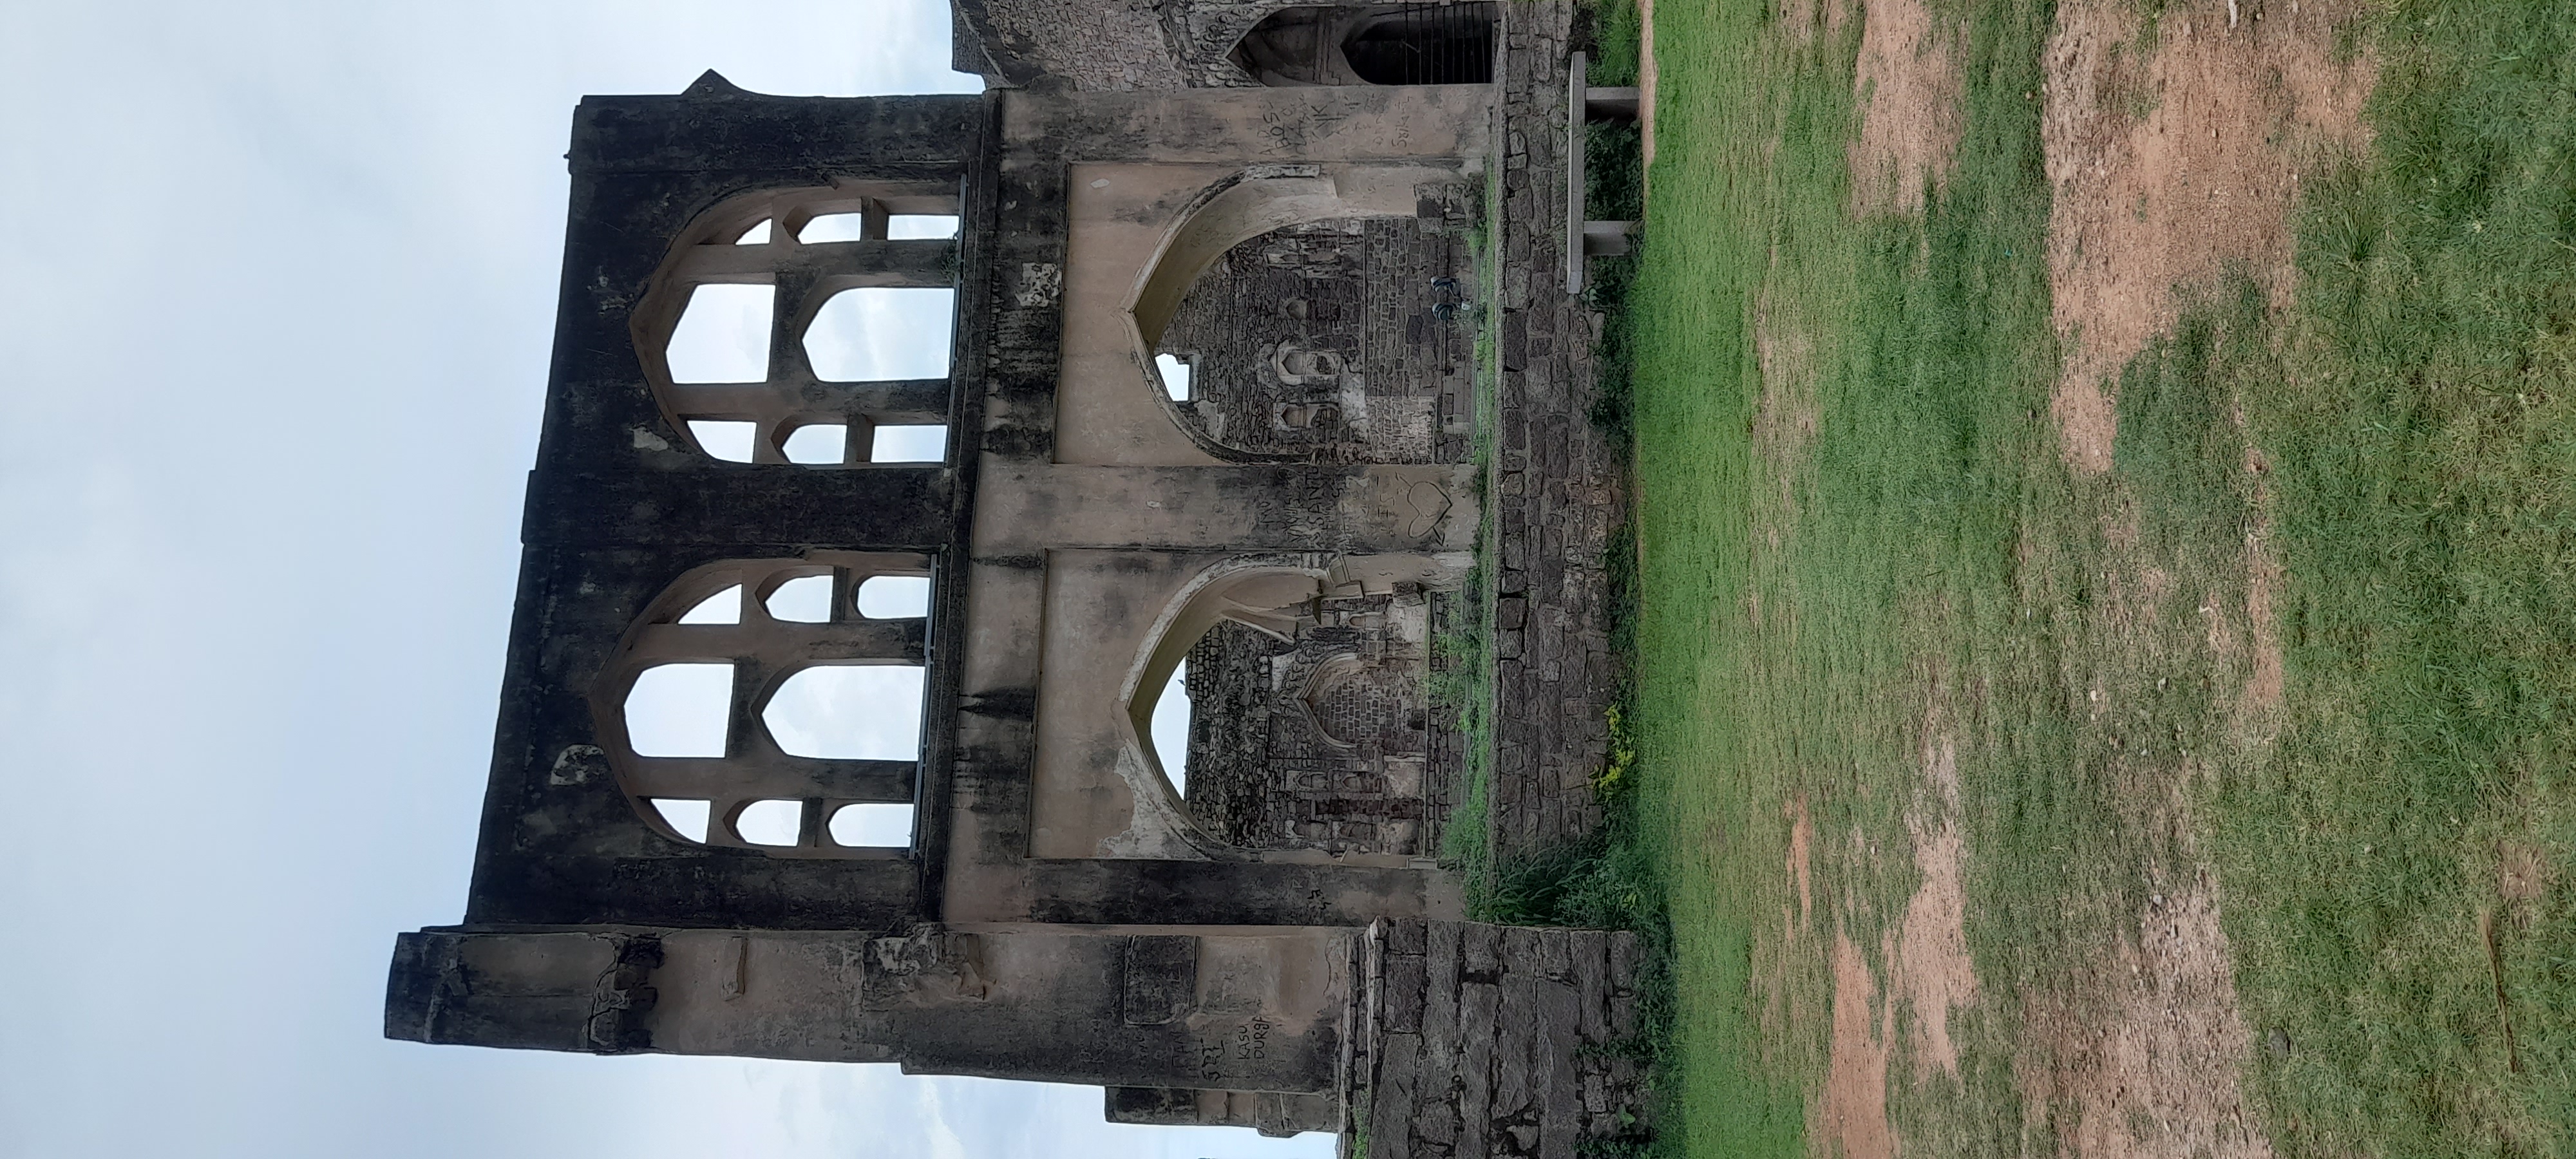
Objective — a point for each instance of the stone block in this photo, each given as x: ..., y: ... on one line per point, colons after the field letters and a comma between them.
x: 1561, y: 1121
x: 1480, y: 954
x: 1519, y: 1053
x: 1401, y: 993
x: 1391, y: 1107
x: 1479, y: 1014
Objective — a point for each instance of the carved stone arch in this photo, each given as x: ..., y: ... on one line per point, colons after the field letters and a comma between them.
x: 1356, y: 704
x: 1434, y: 42
x: 1284, y: 599
x: 1264, y: 593
x: 1355, y: 232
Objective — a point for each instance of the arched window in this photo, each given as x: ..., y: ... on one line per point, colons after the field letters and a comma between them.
x: 809, y: 326
x: 1308, y: 724
x: 1372, y: 44
x: 775, y: 704
x: 1336, y: 340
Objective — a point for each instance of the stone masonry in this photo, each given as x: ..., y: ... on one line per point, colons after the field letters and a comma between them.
x: 1554, y: 484
x: 1486, y: 1040
x: 1327, y: 741
x: 1114, y: 45
x: 1280, y: 948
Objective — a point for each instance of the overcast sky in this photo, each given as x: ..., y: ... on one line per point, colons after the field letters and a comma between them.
x: 273, y: 340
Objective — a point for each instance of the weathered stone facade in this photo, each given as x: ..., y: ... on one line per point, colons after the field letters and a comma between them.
x: 1347, y: 341
x: 1057, y: 911
x: 1328, y: 740
x: 1129, y: 45
x: 1092, y: 45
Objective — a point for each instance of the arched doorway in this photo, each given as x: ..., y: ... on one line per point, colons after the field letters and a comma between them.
x: 1371, y: 44
x: 1346, y: 340
x: 1311, y: 726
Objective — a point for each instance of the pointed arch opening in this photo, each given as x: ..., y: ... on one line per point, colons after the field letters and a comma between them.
x: 785, y: 325
x: 1311, y: 313
x: 1371, y: 44
x: 1309, y: 723
x: 752, y: 702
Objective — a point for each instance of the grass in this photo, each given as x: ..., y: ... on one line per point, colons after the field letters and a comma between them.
x: 1801, y: 589
x: 1885, y: 553
x: 2422, y: 441
x: 1465, y: 648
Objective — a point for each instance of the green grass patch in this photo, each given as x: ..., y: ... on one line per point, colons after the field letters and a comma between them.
x: 1860, y: 550
x: 2403, y: 850
x: 1858, y: 545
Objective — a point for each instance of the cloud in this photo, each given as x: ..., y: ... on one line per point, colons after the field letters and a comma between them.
x: 280, y: 310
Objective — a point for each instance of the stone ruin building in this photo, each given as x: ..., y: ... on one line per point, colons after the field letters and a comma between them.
x: 1234, y: 291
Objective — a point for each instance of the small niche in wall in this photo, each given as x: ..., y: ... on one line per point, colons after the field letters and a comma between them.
x: 894, y: 597
x: 770, y: 822
x: 817, y: 444
x: 1176, y: 376
x: 680, y: 710
x: 723, y: 335
x: 724, y: 607
x: 909, y: 444
x: 725, y: 439
x: 866, y: 712
x: 688, y: 818
x: 1451, y: 45
x: 881, y: 333
x: 807, y: 599
x: 872, y: 826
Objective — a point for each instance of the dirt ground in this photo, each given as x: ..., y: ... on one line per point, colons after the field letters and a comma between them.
x: 1908, y: 84
x: 1929, y: 957
x: 1852, y: 1116
x: 2175, y: 152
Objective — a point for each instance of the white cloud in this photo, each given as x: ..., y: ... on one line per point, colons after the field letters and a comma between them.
x: 280, y: 310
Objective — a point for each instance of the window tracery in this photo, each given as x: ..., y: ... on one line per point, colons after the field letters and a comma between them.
x: 757, y: 701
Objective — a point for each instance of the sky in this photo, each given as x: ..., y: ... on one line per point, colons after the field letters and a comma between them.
x: 279, y: 282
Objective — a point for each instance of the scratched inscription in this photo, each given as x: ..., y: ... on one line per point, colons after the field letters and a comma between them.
x: 1237, y: 1055
x: 1252, y: 1041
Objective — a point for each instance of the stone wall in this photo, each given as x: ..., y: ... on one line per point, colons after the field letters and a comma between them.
x: 1111, y: 45
x: 1269, y: 1112
x: 1554, y: 486
x: 1342, y: 341
x: 1325, y: 742
x: 1107, y: 45
x: 1090, y: 45
x: 1482, y: 1040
